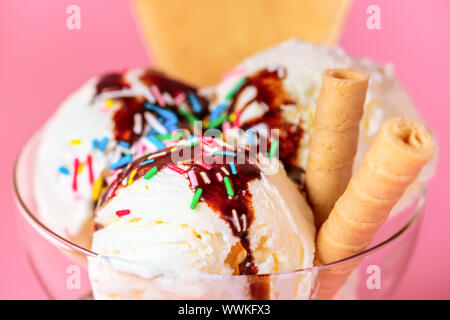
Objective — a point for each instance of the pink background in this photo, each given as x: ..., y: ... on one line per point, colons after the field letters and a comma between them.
x: 41, y: 62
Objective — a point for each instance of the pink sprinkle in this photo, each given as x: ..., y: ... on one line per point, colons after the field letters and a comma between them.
x: 225, y: 126
x: 122, y: 213
x: 180, y: 98
x: 234, y: 72
x: 175, y: 168
x: 158, y: 96
x: 76, y: 165
x: 219, y: 177
x: 78, y: 197
x: 91, y: 170
x: 204, y: 165
x: 104, y: 110
x: 193, y: 178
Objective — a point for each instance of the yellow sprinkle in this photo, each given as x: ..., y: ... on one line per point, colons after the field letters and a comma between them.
x: 205, y: 122
x: 109, y: 103
x: 135, y: 220
x: 130, y: 180
x: 173, y: 149
x: 81, y: 167
x: 232, y: 117
x: 75, y: 142
x: 96, y: 189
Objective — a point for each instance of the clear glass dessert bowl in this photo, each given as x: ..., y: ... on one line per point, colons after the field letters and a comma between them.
x: 62, y: 266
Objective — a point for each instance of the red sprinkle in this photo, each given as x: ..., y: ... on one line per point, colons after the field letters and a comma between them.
x: 91, y: 170
x: 204, y: 165
x: 76, y: 165
x: 175, y: 168
x: 122, y: 213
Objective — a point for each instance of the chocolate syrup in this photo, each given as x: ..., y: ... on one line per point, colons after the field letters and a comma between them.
x: 124, y: 117
x: 270, y: 91
x: 214, y: 195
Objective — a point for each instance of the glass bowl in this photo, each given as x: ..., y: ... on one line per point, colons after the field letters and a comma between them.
x: 62, y: 266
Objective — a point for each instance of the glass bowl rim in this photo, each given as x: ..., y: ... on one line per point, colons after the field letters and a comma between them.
x: 47, y: 233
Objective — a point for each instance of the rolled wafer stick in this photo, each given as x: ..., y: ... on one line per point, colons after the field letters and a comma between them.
x: 334, y: 139
x: 400, y: 150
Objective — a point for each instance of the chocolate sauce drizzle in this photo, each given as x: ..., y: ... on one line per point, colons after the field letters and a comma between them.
x: 270, y: 91
x: 214, y: 195
x: 124, y: 117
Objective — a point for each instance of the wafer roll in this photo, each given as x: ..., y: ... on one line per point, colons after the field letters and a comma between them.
x: 334, y: 139
x: 400, y: 150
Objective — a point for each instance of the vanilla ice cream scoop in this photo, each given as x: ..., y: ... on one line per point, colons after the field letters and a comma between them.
x: 278, y: 89
x: 199, y: 208
x: 96, y: 131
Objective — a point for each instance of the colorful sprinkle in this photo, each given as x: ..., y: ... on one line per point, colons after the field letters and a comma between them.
x: 97, y: 188
x: 189, y: 116
x: 236, y: 220
x: 205, y: 177
x: 217, y: 111
x: 121, y: 213
x: 75, y: 142
x: 95, y: 144
x: 219, y: 176
x: 147, y: 162
x: 274, y: 148
x: 226, y: 126
x: 193, y: 178
x: 104, y: 144
x: 91, y: 169
x: 152, y: 121
x: 132, y: 175
x: 121, y: 163
x: 204, y: 165
x: 150, y: 174
x: 233, y: 168
x: 165, y: 113
x: 64, y: 170
x: 76, y: 164
x: 124, y: 144
x: 175, y: 168
x: 236, y: 121
x: 228, y: 186
x: 196, y: 198
x: 158, y: 144
x: 109, y: 103
x: 217, y: 122
x: 224, y: 170
x: 224, y: 153
x: 235, y: 89
x: 196, y: 106
x: 158, y: 96
x: 180, y: 98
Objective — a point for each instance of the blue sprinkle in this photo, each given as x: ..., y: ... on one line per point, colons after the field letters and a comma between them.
x: 104, y: 144
x: 95, y: 144
x: 158, y: 144
x: 196, y: 106
x: 165, y: 113
x: 233, y: 168
x: 147, y: 162
x: 121, y: 163
x: 217, y: 111
x: 64, y: 170
x: 251, y: 137
x: 124, y: 144
x: 224, y: 153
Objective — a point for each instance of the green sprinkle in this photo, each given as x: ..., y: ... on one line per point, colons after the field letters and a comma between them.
x: 151, y: 173
x: 163, y: 137
x: 196, y: 198
x: 235, y: 89
x: 177, y: 136
x: 217, y: 122
x: 189, y: 116
x: 230, y: 190
x: 274, y: 148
